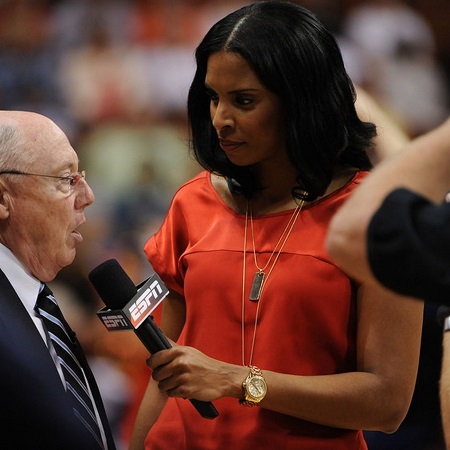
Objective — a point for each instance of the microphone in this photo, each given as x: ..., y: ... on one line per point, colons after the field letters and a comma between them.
x: 129, y: 308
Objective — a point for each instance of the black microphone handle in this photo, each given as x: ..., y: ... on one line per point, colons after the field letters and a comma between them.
x: 151, y: 336
x: 154, y: 340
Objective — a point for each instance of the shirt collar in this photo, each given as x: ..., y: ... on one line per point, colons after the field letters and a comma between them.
x: 26, y: 286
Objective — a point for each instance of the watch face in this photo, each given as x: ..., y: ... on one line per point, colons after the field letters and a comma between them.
x: 257, y: 387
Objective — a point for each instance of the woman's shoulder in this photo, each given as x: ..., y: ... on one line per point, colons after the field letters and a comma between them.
x: 196, y: 181
x: 349, y: 182
x: 203, y: 190
x: 341, y: 187
x: 190, y: 189
x: 345, y: 179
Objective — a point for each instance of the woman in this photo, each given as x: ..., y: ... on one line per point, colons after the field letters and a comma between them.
x: 273, y: 122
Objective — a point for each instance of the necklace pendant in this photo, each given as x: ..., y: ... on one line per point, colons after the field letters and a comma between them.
x: 255, y: 292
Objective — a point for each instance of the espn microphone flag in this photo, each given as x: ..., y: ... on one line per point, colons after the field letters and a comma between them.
x: 150, y: 293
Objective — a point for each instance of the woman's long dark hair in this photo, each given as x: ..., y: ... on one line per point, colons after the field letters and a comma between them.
x: 298, y: 59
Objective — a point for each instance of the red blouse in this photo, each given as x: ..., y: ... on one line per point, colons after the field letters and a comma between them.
x: 306, y: 322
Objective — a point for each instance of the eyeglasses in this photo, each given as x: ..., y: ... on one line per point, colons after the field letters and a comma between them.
x: 68, y: 182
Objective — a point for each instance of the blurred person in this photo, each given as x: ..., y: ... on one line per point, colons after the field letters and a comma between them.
x: 391, y: 136
x: 261, y: 315
x: 140, y: 208
x: 413, y: 86
x: 397, y: 219
x: 101, y: 81
x: 43, y: 197
x: 156, y: 21
x: 165, y: 34
x: 421, y: 428
x: 402, y: 71
x: 73, y: 20
x: 379, y: 26
x: 26, y: 63
x: 118, y: 154
x: 393, y: 231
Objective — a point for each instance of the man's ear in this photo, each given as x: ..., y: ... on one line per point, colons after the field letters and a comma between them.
x: 5, y: 202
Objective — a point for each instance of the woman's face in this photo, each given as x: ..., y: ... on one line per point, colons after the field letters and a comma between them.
x: 249, y: 119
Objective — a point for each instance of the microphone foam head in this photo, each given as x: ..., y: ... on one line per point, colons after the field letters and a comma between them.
x: 112, y: 284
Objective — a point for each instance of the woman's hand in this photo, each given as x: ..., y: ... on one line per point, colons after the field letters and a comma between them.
x: 188, y: 373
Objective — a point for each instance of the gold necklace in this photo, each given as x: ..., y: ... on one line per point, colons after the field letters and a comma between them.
x: 260, y: 278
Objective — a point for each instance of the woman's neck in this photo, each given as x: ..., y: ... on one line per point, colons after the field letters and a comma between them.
x: 275, y: 194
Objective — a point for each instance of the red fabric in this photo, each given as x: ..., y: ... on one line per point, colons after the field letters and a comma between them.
x: 306, y: 323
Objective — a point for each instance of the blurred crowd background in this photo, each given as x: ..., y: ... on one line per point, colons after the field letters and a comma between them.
x: 114, y: 75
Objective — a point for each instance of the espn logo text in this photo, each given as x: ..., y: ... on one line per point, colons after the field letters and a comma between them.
x: 146, y: 303
x: 116, y: 322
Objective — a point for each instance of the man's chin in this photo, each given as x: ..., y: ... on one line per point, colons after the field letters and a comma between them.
x: 69, y: 258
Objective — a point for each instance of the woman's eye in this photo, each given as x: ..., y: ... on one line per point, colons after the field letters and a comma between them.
x: 244, y: 100
x: 212, y: 95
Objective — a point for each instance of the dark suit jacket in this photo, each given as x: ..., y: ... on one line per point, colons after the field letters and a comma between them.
x: 409, y: 246
x: 34, y: 407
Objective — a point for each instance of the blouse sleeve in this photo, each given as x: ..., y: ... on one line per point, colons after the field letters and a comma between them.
x: 190, y: 211
x: 409, y: 246
x: 165, y: 248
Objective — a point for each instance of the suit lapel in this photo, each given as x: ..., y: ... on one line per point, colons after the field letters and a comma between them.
x: 18, y: 327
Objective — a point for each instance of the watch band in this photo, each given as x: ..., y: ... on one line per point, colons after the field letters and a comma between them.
x: 254, y: 372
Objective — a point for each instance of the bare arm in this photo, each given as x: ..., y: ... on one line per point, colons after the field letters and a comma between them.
x: 376, y: 396
x: 423, y: 166
x: 151, y: 406
x: 154, y: 400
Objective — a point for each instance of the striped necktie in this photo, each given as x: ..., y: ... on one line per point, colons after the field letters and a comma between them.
x: 58, y: 331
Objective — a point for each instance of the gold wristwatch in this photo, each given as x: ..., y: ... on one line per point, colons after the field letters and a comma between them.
x: 255, y: 387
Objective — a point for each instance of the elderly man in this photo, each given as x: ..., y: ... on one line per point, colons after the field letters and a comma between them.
x: 49, y: 398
